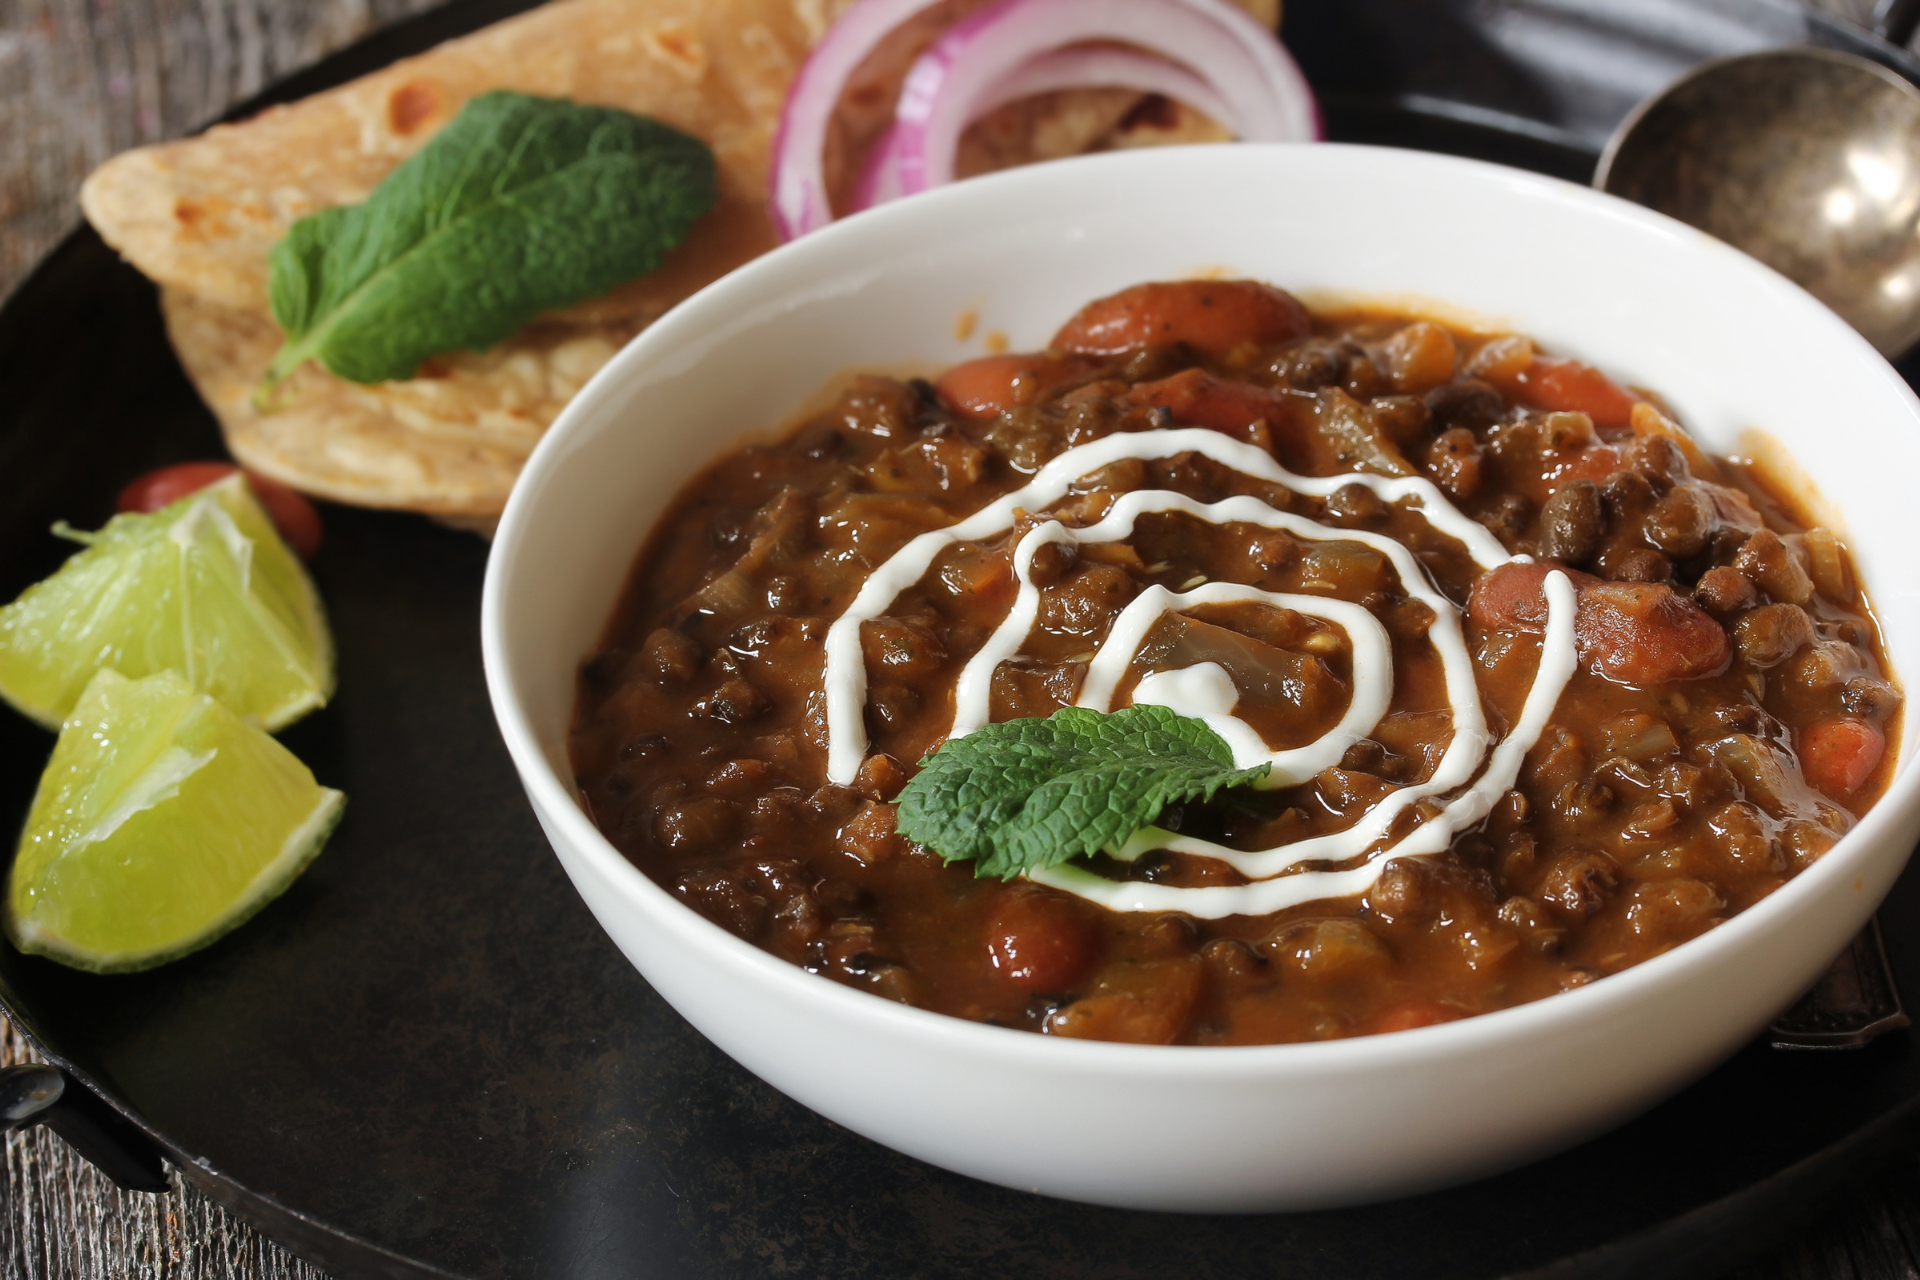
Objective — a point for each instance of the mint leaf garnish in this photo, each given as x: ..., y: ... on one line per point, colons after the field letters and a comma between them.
x: 519, y: 205
x: 1028, y: 794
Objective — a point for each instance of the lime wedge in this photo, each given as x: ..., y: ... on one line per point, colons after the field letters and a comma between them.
x: 204, y: 587
x: 162, y: 821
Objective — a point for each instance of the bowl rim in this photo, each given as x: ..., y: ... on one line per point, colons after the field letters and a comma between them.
x: 742, y: 288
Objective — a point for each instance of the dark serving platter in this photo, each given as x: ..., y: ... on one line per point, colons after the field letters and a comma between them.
x: 426, y: 1059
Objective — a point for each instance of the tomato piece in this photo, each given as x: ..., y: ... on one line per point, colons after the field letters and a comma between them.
x: 1595, y: 463
x: 1211, y: 316
x: 1414, y: 1013
x: 291, y: 513
x: 1512, y: 597
x: 168, y: 485
x: 1197, y: 398
x: 1568, y: 385
x: 1840, y: 753
x: 1646, y: 633
x: 1040, y: 941
x: 1640, y: 633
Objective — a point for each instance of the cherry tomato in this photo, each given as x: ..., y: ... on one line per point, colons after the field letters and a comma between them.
x: 1839, y: 754
x: 1575, y: 387
x: 1040, y: 941
x: 984, y: 388
x: 1646, y: 633
x: 292, y: 514
x: 1212, y: 316
x: 1197, y: 398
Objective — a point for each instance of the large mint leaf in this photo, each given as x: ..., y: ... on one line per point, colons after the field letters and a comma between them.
x: 519, y: 205
x: 1026, y: 794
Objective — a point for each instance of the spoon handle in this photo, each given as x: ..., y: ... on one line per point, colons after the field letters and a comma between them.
x: 35, y: 1093
x: 1895, y: 20
x: 1854, y: 1001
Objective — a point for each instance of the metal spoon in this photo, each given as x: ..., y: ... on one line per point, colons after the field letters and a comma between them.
x: 1806, y: 158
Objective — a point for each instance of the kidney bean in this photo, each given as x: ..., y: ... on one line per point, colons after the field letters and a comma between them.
x: 1637, y: 633
x: 1211, y: 316
x: 1627, y: 494
x: 1646, y: 633
x: 1511, y: 597
x: 1039, y: 940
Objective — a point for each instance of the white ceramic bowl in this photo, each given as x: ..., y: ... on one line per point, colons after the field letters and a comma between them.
x: 1728, y: 342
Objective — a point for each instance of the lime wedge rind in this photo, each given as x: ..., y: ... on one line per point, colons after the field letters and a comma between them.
x: 301, y: 848
x: 204, y: 587
x: 162, y: 821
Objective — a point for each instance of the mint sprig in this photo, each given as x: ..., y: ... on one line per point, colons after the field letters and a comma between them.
x: 1028, y: 794
x: 521, y: 204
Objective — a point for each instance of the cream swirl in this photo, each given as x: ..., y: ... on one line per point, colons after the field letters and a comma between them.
x: 1207, y: 691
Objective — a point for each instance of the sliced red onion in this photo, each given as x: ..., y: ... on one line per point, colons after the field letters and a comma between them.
x: 1106, y: 67
x: 1102, y: 66
x: 1263, y: 95
x: 880, y: 178
x: 798, y: 181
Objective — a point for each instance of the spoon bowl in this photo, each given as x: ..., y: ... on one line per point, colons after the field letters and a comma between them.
x: 1808, y: 159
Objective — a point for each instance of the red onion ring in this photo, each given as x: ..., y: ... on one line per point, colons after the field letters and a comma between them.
x: 1105, y: 66
x: 1267, y: 99
x: 798, y: 180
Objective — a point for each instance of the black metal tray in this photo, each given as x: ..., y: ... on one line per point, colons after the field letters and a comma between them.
x: 427, y: 1059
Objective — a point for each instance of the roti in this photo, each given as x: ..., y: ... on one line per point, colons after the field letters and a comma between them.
x: 199, y: 216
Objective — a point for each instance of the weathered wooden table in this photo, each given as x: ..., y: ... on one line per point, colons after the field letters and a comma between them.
x: 82, y: 79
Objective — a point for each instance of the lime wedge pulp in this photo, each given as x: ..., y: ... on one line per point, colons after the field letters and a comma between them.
x: 204, y: 587
x: 162, y: 821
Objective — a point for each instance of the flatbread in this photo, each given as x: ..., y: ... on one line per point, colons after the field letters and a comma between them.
x: 447, y: 443
x: 200, y: 215
x: 450, y: 441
